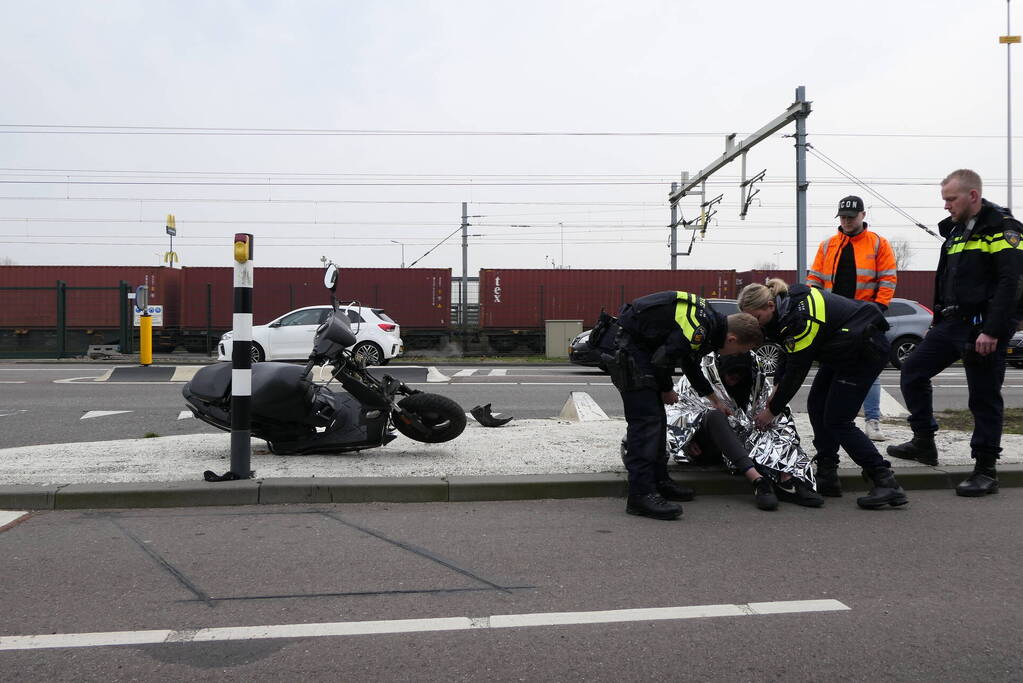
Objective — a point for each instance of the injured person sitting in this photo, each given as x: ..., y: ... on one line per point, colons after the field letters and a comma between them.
x: 771, y: 459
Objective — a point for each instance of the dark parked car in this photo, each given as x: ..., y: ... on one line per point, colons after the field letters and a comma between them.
x: 909, y: 322
x: 1015, y: 350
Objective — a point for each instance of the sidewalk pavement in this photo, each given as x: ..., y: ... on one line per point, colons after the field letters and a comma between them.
x: 526, y: 459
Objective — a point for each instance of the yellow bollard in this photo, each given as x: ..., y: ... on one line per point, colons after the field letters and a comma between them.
x: 145, y: 340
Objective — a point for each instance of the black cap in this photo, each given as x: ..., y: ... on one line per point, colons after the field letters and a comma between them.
x: 850, y: 206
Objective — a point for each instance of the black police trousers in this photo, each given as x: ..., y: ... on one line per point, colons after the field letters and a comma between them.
x: 646, y: 448
x: 834, y: 400
x: 945, y: 343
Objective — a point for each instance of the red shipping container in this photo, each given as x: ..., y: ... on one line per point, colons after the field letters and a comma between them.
x: 524, y: 299
x: 917, y: 285
x: 414, y: 297
x: 92, y: 300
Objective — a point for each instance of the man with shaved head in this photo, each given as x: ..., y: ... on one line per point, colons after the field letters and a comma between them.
x: 978, y: 289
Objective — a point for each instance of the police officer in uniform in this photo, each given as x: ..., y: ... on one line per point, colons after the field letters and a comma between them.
x: 846, y: 337
x: 653, y: 335
x: 977, y: 306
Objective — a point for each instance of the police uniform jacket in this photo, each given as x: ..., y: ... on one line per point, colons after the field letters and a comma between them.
x: 673, y: 329
x: 980, y: 271
x: 812, y: 324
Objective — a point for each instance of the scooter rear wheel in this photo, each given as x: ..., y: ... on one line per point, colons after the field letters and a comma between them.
x: 443, y: 417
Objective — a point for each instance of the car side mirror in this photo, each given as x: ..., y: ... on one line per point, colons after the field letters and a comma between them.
x: 275, y: 324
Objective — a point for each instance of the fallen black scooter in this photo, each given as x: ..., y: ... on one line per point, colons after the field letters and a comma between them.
x: 296, y: 415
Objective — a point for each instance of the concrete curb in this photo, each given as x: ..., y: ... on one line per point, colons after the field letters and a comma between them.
x: 300, y: 490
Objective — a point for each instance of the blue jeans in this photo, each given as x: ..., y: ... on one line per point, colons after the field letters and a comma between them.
x: 872, y: 404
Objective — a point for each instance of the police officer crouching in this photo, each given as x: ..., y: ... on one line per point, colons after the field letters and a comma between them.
x: 653, y: 335
x: 977, y: 305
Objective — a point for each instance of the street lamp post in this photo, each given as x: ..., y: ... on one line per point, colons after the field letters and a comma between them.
x: 1008, y: 39
x: 402, y: 251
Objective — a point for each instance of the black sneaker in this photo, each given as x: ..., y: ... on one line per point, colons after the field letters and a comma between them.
x: 671, y: 490
x: 652, y: 505
x: 799, y: 492
x: 764, y: 494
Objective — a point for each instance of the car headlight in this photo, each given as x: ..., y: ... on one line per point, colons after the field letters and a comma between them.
x: 227, y: 336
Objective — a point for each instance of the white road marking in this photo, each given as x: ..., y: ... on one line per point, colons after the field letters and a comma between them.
x: 185, y: 415
x: 13, y: 412
x: 435, y: 375
x: 357, y: 628
x: 183, y: 373
x: 891, y: 407
x: 10, y: 517
x: 465, y: 373
x: 12, y: 381
x: 499, y: 372
x: 102, y: 413
x: 580, y: 407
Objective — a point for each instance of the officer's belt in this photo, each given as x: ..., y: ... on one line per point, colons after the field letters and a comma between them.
x: 959, y: 313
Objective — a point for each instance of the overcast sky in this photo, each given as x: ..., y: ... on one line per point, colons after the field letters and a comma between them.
x: 902, y: 94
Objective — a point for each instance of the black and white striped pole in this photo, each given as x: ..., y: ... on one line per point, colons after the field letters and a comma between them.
x: 241, y: 359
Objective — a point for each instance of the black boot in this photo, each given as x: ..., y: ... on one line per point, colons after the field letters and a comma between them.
x: 652, y: 505
x: 886, y: 491
x: 983, y: 480
x: 763, y: 491
x: 827, y: 482
x: 671, y: 490
x: 920, y: 448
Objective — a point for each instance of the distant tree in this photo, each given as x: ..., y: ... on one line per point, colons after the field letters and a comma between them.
x: 765, y: 265
x: 7, y: 261
x: 903, y: 253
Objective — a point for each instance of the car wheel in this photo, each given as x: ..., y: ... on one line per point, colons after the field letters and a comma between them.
x: 370, y: 352
x: 901, y: 348
x: 770, y: 356
x: 258, y: 355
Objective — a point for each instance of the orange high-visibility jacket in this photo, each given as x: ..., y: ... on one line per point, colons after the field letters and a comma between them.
x: 875, y: 265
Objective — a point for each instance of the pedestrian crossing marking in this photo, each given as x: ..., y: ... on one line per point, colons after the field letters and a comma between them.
x: 102, y: 413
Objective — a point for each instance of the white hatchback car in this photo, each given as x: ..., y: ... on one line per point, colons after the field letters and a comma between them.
x: 290, y: 337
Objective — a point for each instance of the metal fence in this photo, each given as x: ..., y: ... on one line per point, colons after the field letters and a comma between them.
x: 63, y: 321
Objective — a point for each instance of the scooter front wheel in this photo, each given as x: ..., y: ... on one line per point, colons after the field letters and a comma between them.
x: 444, y: 418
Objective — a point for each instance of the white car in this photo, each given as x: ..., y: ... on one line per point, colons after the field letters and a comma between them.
x: 290, y: 337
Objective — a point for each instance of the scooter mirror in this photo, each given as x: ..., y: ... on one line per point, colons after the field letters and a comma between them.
x: 330, y: 277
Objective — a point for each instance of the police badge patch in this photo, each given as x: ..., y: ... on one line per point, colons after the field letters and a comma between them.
x: 698, y: 335
x: 1012, y: 237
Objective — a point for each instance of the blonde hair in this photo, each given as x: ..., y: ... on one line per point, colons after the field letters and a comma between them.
x: 755, y: 296
x: 745, y: 328
x: 967, y: 179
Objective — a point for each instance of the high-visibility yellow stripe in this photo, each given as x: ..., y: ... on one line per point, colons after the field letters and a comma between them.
x: 816, y: 309
x: 685, y: 316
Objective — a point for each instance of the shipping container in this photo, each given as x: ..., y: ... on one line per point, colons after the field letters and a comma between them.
x: 524, y: 299
x: 917, y: 285
x: 416, y: 298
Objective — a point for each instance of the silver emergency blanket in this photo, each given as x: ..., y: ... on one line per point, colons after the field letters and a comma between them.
x: 775, y: 449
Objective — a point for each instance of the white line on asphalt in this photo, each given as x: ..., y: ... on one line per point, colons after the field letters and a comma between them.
x: 12, y: 381
x: 465, y: 373
x: 10, y: 517
x: 185, y: 414
x: 499, y: 372
x: 183, y: 373
x: 435, y: 375
x: 102, y: 413
x: 890, y: 407
x: 357, y: 628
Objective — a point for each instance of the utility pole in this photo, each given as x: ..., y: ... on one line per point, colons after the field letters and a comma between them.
x: 463, y: 292
x: 801, y: 185
x: 674, y: 229
x: 1008, y: 39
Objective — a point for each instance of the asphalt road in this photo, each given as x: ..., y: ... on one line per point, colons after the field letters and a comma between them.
x: 59, y: 403
x: 931, y: 591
